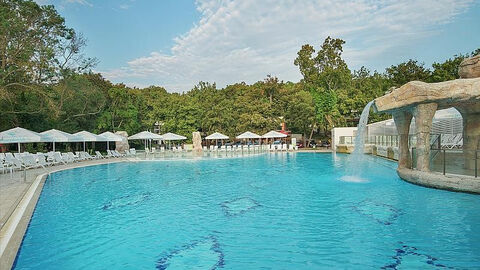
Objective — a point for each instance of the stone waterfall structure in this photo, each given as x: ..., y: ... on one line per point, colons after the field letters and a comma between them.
x: 420, y: 100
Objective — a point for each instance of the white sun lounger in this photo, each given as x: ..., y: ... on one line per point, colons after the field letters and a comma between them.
x: 99, y: 155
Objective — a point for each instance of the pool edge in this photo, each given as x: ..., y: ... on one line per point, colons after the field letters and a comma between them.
x: 11, y: 235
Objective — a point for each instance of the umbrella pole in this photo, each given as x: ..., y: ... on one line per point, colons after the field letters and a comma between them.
x: 83, y: 146
x: 19, y: 148
x: 108, y: 145
x: 53, y: 146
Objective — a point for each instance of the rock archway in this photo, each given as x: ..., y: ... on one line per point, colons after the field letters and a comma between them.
x: 421, y: 100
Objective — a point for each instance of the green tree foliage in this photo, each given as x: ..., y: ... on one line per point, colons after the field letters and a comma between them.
x: 411, y: 70
x: 36, y: 51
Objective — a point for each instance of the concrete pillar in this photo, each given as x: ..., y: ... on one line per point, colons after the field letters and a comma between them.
x: 471, y: 137
x: 423, y: 114
x: 402, y: 122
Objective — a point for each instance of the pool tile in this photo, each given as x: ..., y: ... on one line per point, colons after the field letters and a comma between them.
x: 239, y: 206
x: 201, y: 254
x: 382, y: 213
x: 131, y: 199
x: 408, y: 257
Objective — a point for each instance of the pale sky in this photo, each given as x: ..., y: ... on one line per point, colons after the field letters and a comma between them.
x: 176, y: 44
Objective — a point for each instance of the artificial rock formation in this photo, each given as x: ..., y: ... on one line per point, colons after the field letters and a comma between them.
x: 123, y: 145
x: 470, y: 67
x: 197, y: 142
x: 445, y: 94
x: 421, y: 100
x: 402, y: 121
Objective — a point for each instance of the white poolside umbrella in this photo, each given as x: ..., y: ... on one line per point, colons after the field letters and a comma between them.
x: 173, y: 137
x: 145, y: 135
x: 217, y: 136
x: 273, y: 134
x: 111, y: 137
x: 20, y: 135
x: 86, y: 136
x: 60, y: 136
x: 249, y: 135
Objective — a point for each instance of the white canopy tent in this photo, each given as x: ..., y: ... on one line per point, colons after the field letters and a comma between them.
x: 89, y: 137
x: 60, y: 136
x: 20, y: 135
x: 217, y: 136
x: 146, y: 136
x: 111, y: 137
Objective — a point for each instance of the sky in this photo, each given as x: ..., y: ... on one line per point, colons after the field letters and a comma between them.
x: 177, y: 43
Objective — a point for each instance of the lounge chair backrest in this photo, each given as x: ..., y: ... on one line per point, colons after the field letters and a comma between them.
x: 28, y: 160
x: 58, y: 157
x: 9, y: 157
x: 41, y: 158
x: 65, y: 157
x: 2, y: 156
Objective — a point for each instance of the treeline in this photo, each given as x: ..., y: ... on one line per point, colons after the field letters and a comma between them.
x: 46, y: 82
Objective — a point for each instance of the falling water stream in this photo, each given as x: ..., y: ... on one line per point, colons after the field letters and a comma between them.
x: 355, y: 159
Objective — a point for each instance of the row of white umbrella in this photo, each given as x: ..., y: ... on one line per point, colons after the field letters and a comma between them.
x: 20, y: 135
x: 248, y: 135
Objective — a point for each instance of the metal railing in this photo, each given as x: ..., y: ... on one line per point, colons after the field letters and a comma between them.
x: 452, y: 161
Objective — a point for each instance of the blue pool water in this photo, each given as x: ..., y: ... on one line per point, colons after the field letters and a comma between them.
x: 272, y: 211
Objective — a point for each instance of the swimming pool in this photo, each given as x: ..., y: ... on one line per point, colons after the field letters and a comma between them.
x: 272, y: 211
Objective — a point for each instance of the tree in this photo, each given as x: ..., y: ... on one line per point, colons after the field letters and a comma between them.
x: 270, y: 87
x: 307, y: 64
x: 123, y: 110
x: 36, y: 50
x: 324, y: 76
x: 408, y: 71
x: 300, y: 113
